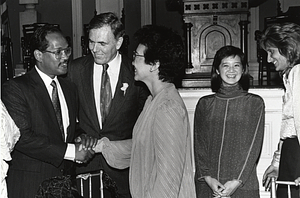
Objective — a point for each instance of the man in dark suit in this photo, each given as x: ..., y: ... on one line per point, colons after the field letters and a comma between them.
x: 105, y: 39
x: 45, y: 148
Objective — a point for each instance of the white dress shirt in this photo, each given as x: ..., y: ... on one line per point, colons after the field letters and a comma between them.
x: 113, y: 72
x: 290, y: 125
x: 70, y: 152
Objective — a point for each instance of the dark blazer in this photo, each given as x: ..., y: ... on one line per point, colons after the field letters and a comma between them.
x: 125, y: 109
x: 39, y: 153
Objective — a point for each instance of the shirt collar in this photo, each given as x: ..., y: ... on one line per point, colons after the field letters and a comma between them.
x: 114, y: 63
x: 46, y: 79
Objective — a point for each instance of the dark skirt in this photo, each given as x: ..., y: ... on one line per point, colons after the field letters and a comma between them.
x: 289, y: 167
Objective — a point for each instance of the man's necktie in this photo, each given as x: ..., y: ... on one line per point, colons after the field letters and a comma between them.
x: 106, y: 95
x: 57, y: 109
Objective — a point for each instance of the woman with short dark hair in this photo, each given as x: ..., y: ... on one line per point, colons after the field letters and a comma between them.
x: 160, y: 153
x: 228, y: 131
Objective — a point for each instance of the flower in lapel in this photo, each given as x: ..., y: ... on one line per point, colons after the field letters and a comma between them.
x: 125, y: 86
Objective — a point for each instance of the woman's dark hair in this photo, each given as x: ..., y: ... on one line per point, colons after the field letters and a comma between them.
x: 285, y: 37
x: 165, y: 46
x: 108, y: 19
x: 224, y: 52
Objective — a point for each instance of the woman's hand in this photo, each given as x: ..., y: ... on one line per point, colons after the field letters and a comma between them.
x: 297, y: 181
x: 215, y: 185
x: 230, y: 187
x: 271, y: 172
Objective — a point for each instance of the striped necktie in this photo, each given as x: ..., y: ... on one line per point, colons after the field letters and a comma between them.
x: 105, y: 94
x: 57, y: 109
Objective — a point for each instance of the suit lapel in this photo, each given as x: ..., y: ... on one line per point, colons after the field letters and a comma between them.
x: 43, y: 98
x: 125, y: 76
x: 88, y: 89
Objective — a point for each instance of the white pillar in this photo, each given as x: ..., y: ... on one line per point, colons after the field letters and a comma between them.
x: 29, y: 15
x: 77, y: 27
x: 146, y: 12
x: 114, y: 6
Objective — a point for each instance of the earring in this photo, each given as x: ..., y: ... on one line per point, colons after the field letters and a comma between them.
x: 152, y: 69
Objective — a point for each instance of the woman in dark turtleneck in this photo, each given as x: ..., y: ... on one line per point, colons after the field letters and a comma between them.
x: 228, y: 130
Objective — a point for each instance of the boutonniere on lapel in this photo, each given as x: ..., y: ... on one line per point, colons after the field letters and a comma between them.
x: 125, y: 86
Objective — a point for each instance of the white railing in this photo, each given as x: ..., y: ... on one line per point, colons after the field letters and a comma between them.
x: 88, y: 176
x: 273, y: 187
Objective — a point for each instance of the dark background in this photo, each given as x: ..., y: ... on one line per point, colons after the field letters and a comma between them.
x: 60, y: 12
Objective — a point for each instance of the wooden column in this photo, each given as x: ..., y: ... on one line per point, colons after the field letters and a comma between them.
x: 189, y: 66
x: 244, y: 37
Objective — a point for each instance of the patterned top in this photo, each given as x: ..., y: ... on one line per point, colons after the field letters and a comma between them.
x: 229, y: 128
x: 291, y: 104
x: 161, y: 154
x: 9, y: 136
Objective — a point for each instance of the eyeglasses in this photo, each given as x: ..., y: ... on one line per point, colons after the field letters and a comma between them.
x: 135, y: 54
x: 59, y: 53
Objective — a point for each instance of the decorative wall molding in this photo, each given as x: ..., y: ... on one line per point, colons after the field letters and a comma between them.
x: 201, y: 7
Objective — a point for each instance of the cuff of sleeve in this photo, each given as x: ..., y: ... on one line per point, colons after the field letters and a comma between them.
x: 276, y: 159
x: 70, y: 152
x: 240, y: 181
x: 202, y: 177
x: 101, y: 144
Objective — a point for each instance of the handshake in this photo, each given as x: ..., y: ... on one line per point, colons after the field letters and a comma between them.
x: 86, y: 147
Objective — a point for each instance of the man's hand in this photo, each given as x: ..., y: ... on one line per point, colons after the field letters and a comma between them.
x: 82, y: 155
x: 88, y: 142
x: 230, y: 187
x: 215, y: 185
x: 271, y: 171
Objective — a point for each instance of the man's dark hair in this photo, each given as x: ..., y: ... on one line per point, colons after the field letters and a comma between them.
x: 108, y: 19
x: 39, y: 41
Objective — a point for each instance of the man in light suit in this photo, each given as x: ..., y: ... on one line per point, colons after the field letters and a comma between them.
x: 105, y: 39
x: 45, y: 148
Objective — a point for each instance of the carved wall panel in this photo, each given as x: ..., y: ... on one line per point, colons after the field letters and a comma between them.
x: 210, y: 33
x: 213, y: 24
